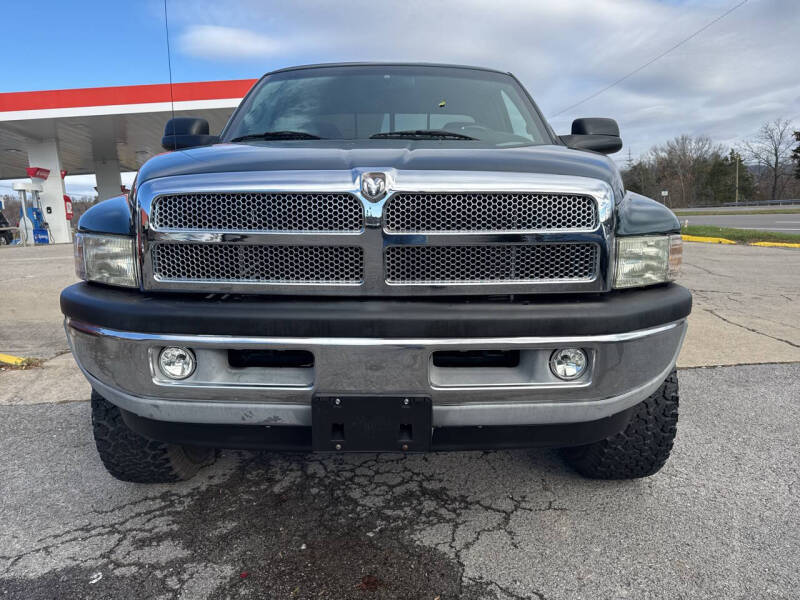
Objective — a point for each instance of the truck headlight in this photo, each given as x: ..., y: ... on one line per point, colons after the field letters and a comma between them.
x: 107, y: 259
x: 646, y: 260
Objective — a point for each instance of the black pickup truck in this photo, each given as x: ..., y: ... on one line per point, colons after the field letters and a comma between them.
x: 380, y: 258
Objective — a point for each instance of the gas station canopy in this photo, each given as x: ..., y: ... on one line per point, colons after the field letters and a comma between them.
x: 100, y: 130
x: 124, y: 124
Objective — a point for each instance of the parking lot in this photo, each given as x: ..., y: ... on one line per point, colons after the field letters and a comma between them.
x: 721, y: 520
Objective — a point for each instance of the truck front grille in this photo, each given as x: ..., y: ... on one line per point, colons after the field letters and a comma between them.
x: 221, y: 263
x: 306, y: 212
x: 465, y: 212
x: 329, y: 240
x: 442, y: 265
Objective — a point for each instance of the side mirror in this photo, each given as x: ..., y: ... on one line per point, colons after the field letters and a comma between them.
x: 598, y: 135
x: 187, y: 132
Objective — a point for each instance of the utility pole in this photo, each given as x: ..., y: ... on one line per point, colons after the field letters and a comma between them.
x: 736, y: 157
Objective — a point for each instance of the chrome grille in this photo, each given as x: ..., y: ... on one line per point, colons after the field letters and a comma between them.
x: 465, y: 212
x: 259, y: 212
x: 485, y: 264
x: 436, y: 233
x: 221, y: 262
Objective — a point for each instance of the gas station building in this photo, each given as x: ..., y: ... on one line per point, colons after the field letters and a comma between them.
x: 104, y: 131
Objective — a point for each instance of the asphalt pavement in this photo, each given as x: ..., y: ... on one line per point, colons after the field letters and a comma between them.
x: 788, y: 223
x: 31, y: 278
x: 721, y: 520
x: 746, y: 305
x: 783, y: 206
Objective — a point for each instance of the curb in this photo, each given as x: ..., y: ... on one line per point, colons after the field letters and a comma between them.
x: 776, y: 244
x: 11, y: 360
x: 707, y: 240
x: 718, y: 240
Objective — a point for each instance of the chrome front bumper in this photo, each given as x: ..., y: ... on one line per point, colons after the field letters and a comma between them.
x: 625, y: 368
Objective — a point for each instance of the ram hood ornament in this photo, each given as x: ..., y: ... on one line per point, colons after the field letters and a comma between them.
x: 373, y: 186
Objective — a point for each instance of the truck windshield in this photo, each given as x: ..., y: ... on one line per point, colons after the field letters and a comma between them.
x: 460, y: 105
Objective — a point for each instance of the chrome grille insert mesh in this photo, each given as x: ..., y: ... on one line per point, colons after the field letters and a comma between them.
x: 465, y: 212
x: 486, y: 264
x: 259, y: 211
x: 220, y: 263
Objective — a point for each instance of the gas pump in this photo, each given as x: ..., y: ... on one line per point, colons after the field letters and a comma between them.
x: 32, y: 226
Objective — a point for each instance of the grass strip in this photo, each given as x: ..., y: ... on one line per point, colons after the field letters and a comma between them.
x: 741, y: 236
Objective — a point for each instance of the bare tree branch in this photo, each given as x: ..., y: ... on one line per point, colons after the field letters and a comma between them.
x: 771, y: 150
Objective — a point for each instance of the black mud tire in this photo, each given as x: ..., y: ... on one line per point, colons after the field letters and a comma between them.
x: 130, y: 457
x: 642, y: 448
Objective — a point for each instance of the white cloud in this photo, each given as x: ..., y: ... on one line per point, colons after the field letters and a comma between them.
x: 212, y: 41
x: 725, y: 82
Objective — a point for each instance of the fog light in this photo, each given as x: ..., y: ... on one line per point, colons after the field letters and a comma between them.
x: 176, y: 362
x: 568, y: 363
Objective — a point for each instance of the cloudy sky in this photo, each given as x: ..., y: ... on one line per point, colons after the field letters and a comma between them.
x: 724, y: 82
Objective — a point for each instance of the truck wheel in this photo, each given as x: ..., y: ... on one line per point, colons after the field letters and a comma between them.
x: 642, y: 448
x: 131, y: 457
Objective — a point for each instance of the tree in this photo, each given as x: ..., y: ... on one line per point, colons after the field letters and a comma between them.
x: 796, y: 155
x: 637, y: 177
x: 682, y: 165
x: 770, y: 150
x: 693, y: 170
x: 80, y: 204
x: 721, y: 181
x: 11, y: 206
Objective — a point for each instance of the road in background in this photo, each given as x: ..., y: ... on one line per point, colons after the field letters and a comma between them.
x: 743, y: 207
x: 788, y: 223
x: 787, y: 205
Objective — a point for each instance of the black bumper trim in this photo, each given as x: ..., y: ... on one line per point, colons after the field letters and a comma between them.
x: 299, y: 439
x: 596, y: 314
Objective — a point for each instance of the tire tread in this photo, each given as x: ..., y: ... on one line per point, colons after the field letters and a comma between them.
x: 128, y: 456
x: 642, y: 448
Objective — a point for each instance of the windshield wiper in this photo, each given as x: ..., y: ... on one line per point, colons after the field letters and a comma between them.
x: 277, y: 135
x: 421, y: 134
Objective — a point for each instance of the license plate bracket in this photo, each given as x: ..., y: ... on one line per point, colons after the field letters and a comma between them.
x: 371, y: 423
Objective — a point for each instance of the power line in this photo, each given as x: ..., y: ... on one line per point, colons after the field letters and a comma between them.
x: 169, y: 61
x: 651, y: 61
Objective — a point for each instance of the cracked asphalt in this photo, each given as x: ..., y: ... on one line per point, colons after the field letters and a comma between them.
x: 721, y: 520
x: 746, y: 305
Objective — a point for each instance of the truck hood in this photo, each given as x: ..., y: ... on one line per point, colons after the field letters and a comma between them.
x: 402, y: 155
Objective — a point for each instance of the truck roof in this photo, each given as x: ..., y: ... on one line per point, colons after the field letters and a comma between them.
x: 384, y: 64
